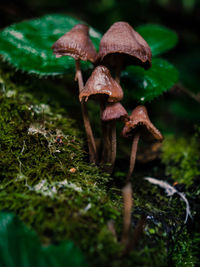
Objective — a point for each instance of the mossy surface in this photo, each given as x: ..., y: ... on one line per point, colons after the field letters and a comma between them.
x: 46, y: 179
x: 182, y: 158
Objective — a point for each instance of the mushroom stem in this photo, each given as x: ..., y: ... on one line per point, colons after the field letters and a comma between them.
x: 78, y: 76
x: 109, y: 142
x: 111, y: 228
x: 106, y: 140
x: 119, y: 63
x: 113, y: 142
x: 88, y: 129
x: 135, y: 238
x: 128, y: 203
x: 133, y: 155
x: 118, y: 73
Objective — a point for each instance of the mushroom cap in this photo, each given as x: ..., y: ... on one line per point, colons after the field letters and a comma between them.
x: 76, y: 43
x: 139, y: 121
x: 102, y: 83
x: 114, y: 111
x: 122, y: 39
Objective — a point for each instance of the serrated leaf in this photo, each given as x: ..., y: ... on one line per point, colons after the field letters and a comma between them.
x: 146, y: 85
x: 27, y: 45
x: 19, y: 246
x: 159, y: 38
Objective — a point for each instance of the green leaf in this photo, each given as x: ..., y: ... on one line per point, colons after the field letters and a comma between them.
x: 159, y: 38
x: 20, y: 247
x: 146, y: 85
x: 27, y: 45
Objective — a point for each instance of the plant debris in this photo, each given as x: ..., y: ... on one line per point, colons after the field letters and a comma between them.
x: 170, y: 191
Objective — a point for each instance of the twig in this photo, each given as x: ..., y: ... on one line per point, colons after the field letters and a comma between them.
x: 196, y: 97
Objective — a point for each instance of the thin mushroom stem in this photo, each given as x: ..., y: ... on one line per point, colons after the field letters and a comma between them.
x: 88, y: 129
x: 128, y: 203
x: 106, y: 144
x: 106, y: 140
x: 78, y: 76
x: 135, y: 238
x: 113, y: 142
x: 111, y: 228
x: 133, y: 155
x: 118, y: 73
x: 119, y: 63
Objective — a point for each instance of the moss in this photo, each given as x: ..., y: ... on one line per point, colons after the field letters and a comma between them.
x: 38, y: 149
x: 45, y: 178
x: 182, y: 158
x: 185, y: 251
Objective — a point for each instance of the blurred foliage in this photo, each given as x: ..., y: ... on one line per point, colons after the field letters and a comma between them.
x: 19, y: 246
x: 159, y: 38
x: 27, y: 45
x: 34, y: 39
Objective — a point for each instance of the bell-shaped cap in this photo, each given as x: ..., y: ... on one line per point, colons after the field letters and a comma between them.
x: 76, y: 43
x: 140, y: 122
x: 102, y: 83
x: 114, y: 111
x: 121, y: 40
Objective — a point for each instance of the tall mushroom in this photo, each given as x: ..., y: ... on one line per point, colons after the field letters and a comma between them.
x: 139, y: 125
x: 113, y: 112
x: 121, y: 45
x: 104, y: 88
x: 77, y: 44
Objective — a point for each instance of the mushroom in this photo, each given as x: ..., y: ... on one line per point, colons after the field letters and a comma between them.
x: 101, y: 84
x: 121, y: 45
x: 139, y: 125
x: 112, y: 112
x: 102, y: 87
x: 77, y: 44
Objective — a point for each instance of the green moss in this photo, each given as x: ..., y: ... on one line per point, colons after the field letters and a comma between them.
x: 36, y: 178
x: 37, y: 183
x: 185, y: 251
x: 182, y: 158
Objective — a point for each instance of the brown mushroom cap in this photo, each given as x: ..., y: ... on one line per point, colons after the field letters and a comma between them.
x: 139, y: 121
x: 102, y: 83
x: 122, y: 39
x: 114, y: 111
x: 76, y: 43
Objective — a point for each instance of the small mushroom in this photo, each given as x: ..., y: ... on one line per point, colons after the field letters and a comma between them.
x: 112, y: 112
x: 121, y: 45
x: 102, y: 87
x: 77, y: 44
x: 139, y: 125
x: 101, y: 84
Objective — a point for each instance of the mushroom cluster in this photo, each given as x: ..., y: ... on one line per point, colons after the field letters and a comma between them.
x: 120, y: 46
